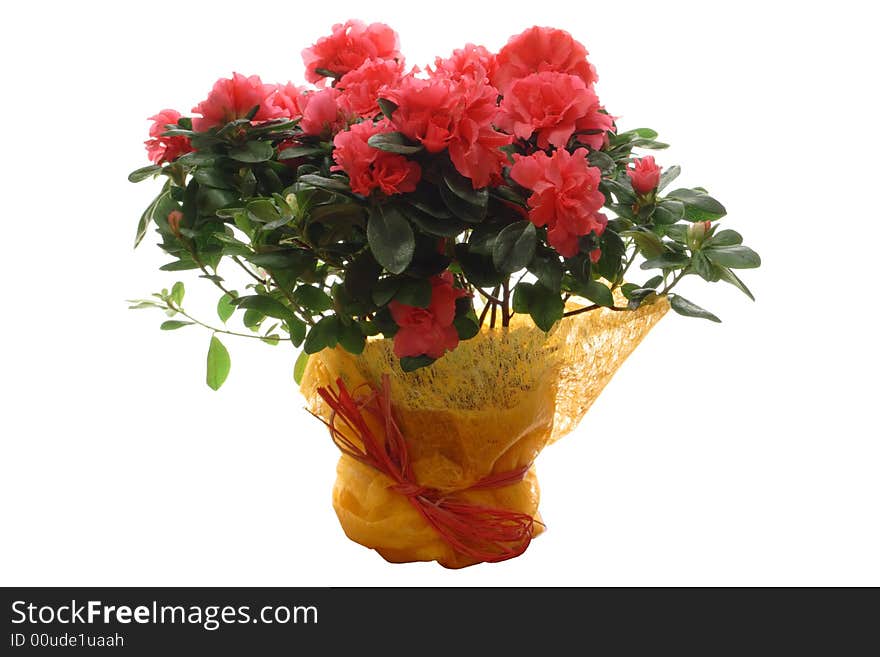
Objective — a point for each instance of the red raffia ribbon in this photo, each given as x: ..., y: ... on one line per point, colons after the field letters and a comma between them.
x: 481, y: 532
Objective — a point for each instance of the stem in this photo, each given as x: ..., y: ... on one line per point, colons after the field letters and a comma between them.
x: 587, y: 309
x: 675, y: 280
x: 505, y: 307
x: 626, y: 267
x: 490, y: 297
x: 177, y: 309
x: 248, y: 270
x: 495, y: 305
x: 484, y: 313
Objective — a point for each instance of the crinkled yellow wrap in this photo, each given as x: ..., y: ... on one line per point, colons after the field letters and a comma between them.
x: 487, y: 407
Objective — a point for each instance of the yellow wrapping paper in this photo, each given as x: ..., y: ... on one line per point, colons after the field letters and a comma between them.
x: 487, y: 407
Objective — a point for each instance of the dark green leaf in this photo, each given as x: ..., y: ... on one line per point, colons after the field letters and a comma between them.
x: 391, y: 239
x: 668, y: 212
x: 331, y: 184
x: 393, y: 142
x: 322, y: 335
x: 300, y: 151
x: 312, y: 298
x: 698, y: 206
x: 211, y: 178
x: 180, y: 265
x: 266, y: 306
x: 412, y: 363
x: 252, y: 151
x: 724, y: 238
x: 649, y: 244
x: 463, y: 188
x: 547, y: 269
x: 668, y: 176
x: 385, y: 290
x: 522, y: 297
x: 351, y: 338
x: 447, y: 226
x: 514, y: 246
x: 684, y: 307
x: 546, y: 308
x: 219, y: 364
x: 734, y: 257
x: 387, y: 107
x: 728, y: 276
x: 143, y: 173
x: 262, y: 211
x: 414, y: 292
x: 597, y: 293
x: 667, y: 261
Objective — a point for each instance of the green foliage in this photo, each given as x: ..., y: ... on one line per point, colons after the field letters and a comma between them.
x: 318, y: 265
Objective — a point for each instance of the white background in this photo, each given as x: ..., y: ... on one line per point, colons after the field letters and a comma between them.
x: 744, y: 453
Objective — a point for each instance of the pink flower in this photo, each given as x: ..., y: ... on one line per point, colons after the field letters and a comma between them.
x: 322, y: 114
x: 361, y: 87
x: 289, y: 99
x: 471, y: 61
x: 369, y: 168
x: 541, y: 49
x: 441, y: 113
x: 548, y: 103
x: 232, y: 98
x: 165, y: 149
x: 349, y: 46
x: 645, y: 175
x: 566, y: 196
x: 428, y: 331
x: 594, y: 125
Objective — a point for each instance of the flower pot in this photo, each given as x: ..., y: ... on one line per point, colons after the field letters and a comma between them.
x: 461, y: 487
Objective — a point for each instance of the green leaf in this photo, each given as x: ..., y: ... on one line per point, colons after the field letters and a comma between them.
x: 172, y: 324
x: 414, y: 292
x: 252, y: 152
x: 385, y: 290
x: 447, y: 226
x: 322, y: 335
x: 546, y: 308
x: 649, y: 244
x: 668, y: 212
x: 297, y: 331
x: 312, y: 298
x: 412, y: 363
x: 266, y: 306
x: 597, y: 293
x: 211, y: 177
x: 143, y: 173
x: 263, y: 211
x: 724, y: 238
x: 463, y: 188
x: 331, y: 184
x: 391, y: 239
x: 466, y: 326
x: 351, y: 338
x: 728, y: 276
x: 514, y: 247
x: 667, y: 261
x: 219, y: 364
x: 547, y: 269
x: 225, y: 309
x: 177, y: 292
x: 684, y: 307
x: 522, y: 297
x: 300, y: 151
x: 734, y: 257
x: 387, y: 107
x: 299, y: 367
x: 668, y: 176
x: 698, y: 206
x: 393, y: 142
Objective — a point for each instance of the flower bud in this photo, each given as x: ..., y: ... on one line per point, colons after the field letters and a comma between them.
x: 174, y: 219
x: 696, y: 234
x: 645, y: 175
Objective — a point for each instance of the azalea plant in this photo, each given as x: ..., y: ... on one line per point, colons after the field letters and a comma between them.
x: 421, y: 204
